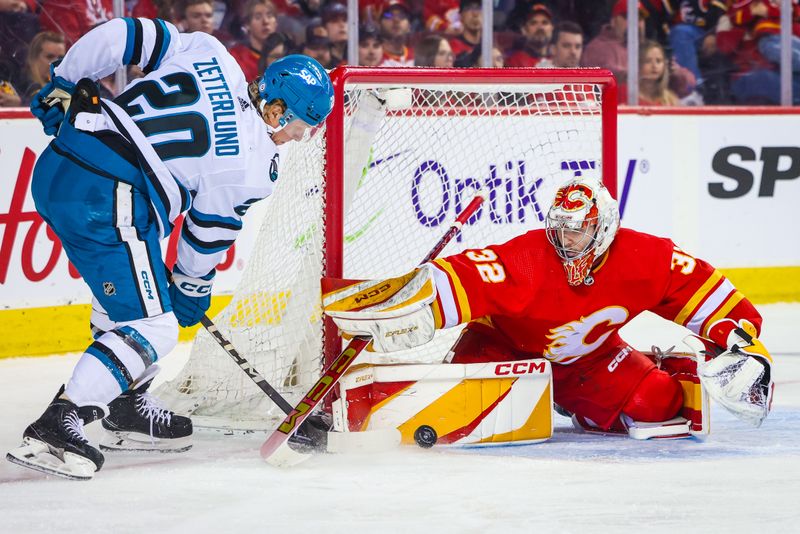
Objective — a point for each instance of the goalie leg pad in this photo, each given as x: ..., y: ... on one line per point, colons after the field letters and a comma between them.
x: 450, y: 404
x: 682, y: 366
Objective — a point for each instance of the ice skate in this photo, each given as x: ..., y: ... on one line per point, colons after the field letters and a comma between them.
x: 138, y: 422
x: 55, y: 443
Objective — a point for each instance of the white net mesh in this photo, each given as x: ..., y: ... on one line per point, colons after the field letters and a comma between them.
x: 413, y: 158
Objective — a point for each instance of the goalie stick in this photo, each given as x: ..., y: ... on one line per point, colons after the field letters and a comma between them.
x: 275, y: 450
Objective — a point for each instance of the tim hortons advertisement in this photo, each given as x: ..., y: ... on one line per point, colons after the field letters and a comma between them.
x: 724, y: 187
x: 34, y: 270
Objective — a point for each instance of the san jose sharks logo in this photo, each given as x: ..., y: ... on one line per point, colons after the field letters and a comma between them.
x: 273, y: 167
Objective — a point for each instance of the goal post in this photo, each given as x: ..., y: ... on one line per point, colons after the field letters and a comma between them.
x: 366, y: 194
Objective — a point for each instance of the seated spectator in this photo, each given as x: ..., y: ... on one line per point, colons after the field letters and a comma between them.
x: 654, y: 76
x: 195, y: 15
x: 72, y: 19
x: 537, y: 31
x: 442, y: 16
x: 150, y: 9
x: 18, y: 25
x: 755, y: 79
x: 433, y: 51
x: 370, y: 46
x: 317, y: 44
x: 14, y: 6
x: 475, y: 59
x: 472, y: 25
x: 334, y: 19
x: 608, y: 50
x: 395, y: 23
x: 45, y: 48
x: 8, y: 94
x: 567, y: 47
x: 370, y: 11
x: 763, y: 19
x: 692, y: 33
x: 276, y: 46
x: 259, y: 22
x: 294, y: 15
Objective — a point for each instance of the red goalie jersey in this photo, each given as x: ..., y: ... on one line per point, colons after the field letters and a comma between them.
x: 519, y: 292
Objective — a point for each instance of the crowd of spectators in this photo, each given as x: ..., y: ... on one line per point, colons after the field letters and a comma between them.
x: 691, y: 51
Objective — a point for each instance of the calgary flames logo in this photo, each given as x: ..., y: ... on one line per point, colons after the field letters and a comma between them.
x: 574, y: 197
x: 570, y: 341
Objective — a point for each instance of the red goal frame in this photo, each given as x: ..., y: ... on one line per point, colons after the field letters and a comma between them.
x: 334, y: 161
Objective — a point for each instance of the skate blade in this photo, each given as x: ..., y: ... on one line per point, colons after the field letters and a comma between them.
x: 36, y: 455
x: 135, y: 442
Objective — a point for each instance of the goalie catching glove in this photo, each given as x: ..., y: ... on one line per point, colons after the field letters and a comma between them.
x: 395, y: 312
x: 740, y: 379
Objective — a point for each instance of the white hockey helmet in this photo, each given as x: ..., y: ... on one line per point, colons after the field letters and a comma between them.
x: 581, y: 224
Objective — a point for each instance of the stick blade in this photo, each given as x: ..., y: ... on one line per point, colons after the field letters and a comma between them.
x: 282, y: 455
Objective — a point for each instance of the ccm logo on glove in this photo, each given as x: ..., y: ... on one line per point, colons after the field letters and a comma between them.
x: 190, y: 288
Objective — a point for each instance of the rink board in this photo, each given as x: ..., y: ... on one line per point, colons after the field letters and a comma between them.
x: 721, y: 182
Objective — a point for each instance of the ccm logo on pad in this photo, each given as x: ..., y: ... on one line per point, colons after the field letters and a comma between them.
x: 519, y: 368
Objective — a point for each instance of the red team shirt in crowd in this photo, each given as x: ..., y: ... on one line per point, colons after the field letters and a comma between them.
x: 520, y: 289
x: 247, y: 58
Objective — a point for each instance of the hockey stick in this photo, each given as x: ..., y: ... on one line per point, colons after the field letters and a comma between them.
x: 246, y: 366
x: 331, y: 375
x: 242, y: 362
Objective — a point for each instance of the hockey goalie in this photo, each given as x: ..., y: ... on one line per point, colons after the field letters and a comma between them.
x: 542, y: 314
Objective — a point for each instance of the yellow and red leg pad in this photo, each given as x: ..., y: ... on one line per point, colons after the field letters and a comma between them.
x: 488, y: 403
x: 683, y: 367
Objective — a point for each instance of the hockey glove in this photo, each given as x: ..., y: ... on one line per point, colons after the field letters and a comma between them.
x: 395, y: 312
x: 740, y: 379
x: 190, y: 297
x: 51, y: 103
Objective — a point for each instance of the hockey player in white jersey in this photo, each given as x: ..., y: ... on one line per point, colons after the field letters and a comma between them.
x: 192, y: 136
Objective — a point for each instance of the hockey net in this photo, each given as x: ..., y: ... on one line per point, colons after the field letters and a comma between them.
x: 368, y: 194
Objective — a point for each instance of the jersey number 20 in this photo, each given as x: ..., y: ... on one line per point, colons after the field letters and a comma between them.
x: 185, y: 94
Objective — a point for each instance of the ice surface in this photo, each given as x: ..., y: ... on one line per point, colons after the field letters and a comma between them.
x: 739, y: 480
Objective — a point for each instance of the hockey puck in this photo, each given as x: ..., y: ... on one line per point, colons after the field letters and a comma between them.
x: 425, y: 436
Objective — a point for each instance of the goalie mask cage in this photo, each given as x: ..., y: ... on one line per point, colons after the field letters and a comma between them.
x: 369, y: 192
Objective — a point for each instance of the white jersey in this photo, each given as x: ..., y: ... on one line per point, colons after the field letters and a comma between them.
x: 201, y: 145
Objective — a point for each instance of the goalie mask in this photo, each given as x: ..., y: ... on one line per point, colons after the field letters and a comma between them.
x: 581, y: 224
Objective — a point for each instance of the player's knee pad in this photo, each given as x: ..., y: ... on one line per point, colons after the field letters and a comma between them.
x: 658, y: 397
x: 121, y: 356
x: 160, y: 331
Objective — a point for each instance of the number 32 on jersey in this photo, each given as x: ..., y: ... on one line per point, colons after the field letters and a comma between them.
x: 489, y: 268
